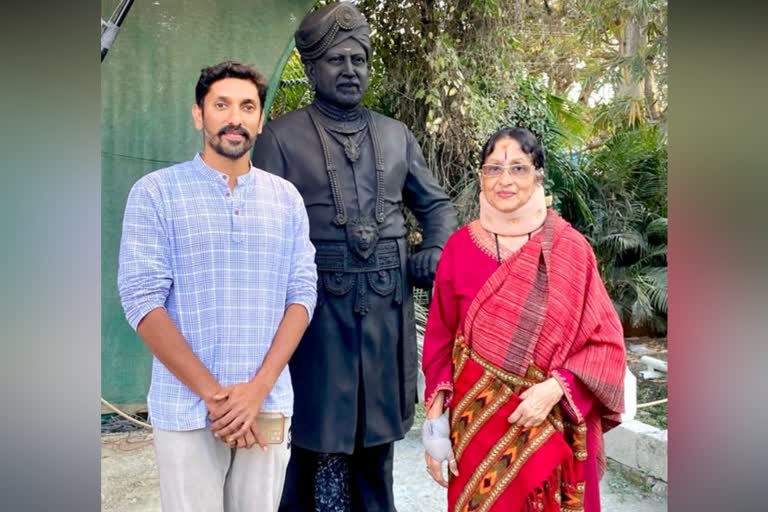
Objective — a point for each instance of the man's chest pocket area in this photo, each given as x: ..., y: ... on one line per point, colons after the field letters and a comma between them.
x: 201, y: 230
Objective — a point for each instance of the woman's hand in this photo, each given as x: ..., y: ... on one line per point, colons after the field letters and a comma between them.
x: 435, y: 468
x: 436, y: 438
x: 538, y: 401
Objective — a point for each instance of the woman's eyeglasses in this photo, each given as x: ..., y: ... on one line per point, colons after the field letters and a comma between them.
x: 515, y: 170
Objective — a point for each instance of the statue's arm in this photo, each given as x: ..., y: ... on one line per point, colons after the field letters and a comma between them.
x: 267, y: 153
x: 426, y: 199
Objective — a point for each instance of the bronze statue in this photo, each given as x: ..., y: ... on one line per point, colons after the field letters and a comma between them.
x: 354, y: 372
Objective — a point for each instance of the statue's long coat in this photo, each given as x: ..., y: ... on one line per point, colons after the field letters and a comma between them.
x: 353, y: 371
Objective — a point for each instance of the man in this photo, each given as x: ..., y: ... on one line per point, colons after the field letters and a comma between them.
x: 217, y: 275
x: 355, y: 369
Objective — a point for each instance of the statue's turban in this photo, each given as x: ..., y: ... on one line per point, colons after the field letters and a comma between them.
x: 330, y: 25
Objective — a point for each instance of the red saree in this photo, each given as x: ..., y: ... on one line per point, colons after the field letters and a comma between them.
x: 495, y: 330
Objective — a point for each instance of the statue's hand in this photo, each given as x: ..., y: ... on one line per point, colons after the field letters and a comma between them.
x: 423, y: 265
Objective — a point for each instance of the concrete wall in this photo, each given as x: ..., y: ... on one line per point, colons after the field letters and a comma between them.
x: 640, y: 447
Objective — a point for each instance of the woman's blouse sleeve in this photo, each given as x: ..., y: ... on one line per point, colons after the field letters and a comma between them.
x: 442, y: 325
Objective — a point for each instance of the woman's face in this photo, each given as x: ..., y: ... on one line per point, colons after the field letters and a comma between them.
x: 507, y: 177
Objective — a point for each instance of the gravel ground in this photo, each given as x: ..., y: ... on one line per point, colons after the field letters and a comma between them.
x: 129, y: 479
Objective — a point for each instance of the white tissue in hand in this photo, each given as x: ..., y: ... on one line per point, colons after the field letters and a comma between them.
x: 435, y: 434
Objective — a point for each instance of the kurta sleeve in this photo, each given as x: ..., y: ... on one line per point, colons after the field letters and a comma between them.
x: 144, y: 277
x: 302, y: 277
x: 577, y: 399
x: 426, y: 199
x: 442, y: 325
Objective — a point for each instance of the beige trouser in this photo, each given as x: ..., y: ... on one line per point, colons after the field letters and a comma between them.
x: 199, y: 473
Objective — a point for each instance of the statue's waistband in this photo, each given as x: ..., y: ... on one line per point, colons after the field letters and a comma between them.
x: 337, y: 257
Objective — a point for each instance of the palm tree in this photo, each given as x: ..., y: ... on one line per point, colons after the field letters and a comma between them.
x: 628, y: 201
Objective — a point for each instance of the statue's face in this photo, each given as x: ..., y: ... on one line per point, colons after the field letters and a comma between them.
x: 341, y: 74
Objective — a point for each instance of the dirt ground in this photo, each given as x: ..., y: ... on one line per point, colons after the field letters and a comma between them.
x: 130, y: 484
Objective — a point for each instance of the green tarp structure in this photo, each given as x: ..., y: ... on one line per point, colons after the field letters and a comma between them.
x: 147, y: 91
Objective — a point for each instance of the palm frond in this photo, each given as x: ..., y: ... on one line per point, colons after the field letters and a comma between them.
x: 623, y: 242
x: 657, y: 229
x: 642, y: 309
x: 656, y: 278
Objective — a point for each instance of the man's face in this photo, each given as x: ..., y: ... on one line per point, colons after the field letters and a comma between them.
x: 341, y: 74
x: 230, y: 118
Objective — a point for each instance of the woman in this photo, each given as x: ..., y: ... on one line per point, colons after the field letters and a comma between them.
x: 524, y: 347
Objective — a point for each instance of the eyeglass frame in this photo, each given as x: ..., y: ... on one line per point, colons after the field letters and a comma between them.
x: 508, y: 168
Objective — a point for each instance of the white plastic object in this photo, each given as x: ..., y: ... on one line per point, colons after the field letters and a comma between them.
x: 630, y: 396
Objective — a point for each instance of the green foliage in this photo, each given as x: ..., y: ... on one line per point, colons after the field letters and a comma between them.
x: 628, y: 229
x: 294, y: 91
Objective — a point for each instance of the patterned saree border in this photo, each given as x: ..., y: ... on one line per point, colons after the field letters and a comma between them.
x: 460, y: 357
x: 577, y: 436
x: 463, y: 353
x: 572, y: 498
x: 473, y: 392
x: 556, y: 421
x: 481, y: 420
x: 489, y: 461
x: 514, y: 469
x: 506, y: 377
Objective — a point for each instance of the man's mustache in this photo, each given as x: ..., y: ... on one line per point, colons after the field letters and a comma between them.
x: 238, y: 130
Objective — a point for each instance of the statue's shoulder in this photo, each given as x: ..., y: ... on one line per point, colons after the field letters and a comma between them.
x: 288, y: 122
x: 386, y: 121
x: 395, y: 130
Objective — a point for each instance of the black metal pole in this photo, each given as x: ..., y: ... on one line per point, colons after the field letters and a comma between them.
x: 109, y: 33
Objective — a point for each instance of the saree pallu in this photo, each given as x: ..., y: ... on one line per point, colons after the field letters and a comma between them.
x: 503, y: 467
x: 544, y: 310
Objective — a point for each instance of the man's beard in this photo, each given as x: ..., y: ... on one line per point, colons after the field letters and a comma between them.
x: 226, y: 149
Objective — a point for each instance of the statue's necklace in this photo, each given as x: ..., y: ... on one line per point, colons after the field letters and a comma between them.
x: 338, y: 199
x: 351, y: 143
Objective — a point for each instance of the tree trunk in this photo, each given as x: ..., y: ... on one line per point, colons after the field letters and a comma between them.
x: 586, y: 91
x: 650, y: 90
x: 632, y: 87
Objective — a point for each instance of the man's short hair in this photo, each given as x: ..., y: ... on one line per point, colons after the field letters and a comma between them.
x: 229, y: 69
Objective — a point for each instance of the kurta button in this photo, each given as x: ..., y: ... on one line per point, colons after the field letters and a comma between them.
x: 237, y: 212
x: 227, y: 194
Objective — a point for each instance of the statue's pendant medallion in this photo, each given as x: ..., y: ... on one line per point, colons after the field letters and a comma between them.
x: 352, y: 150
x: 362, y: 236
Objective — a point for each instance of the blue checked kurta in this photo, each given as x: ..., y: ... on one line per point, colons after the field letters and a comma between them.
x: 225, y: 265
